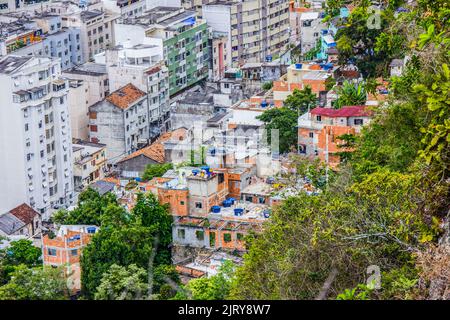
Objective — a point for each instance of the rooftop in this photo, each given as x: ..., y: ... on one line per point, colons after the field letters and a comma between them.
x: 103, y: 187
x: 10, y: 224
x: 11, y: 63
x: 124, y: 97
x: 350, y: 111
x: 93, y: 69
x: 24, y: 213
x: 155, y: 151
x: 90, y: 14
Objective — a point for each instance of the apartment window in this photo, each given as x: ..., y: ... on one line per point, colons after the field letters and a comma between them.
x: 358, y: 122
x: 239, y: 236
x: 26, y: 127
x: 74, y: 252
x: 261, y: 200
x: 227, y: 237
x: 200, y: 235
x: 28, y: 156
x: 51, y: 251
x: 181, y: 233
x: 61, y: 100
x: 319, y: 118
x: 42, y: 153
x: 198, y: 205
x: 249, y: 198
x: 311, y: 134
x: 181, y: 203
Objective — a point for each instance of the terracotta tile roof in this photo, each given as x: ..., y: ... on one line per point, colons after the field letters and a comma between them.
x: 125, y: 96
x: 351, y: 111
x: 24, y: 213
x: 153, y: 70
x: 155, y: 151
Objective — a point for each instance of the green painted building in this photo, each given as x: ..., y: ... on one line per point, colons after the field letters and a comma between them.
x: 185, y: 45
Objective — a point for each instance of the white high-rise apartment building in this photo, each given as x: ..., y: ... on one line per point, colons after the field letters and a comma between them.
x: 258, y: 30
x: 35, y: 136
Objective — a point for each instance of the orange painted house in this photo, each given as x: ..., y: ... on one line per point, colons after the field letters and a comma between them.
x: 318, y: 131
x: 65, y: 250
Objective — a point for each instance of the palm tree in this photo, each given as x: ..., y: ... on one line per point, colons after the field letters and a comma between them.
x: 350, y: 94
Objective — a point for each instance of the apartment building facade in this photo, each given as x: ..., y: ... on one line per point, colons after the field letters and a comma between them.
x: 41, y: 35
x: 143, y: 66
x: 89, y: 162
x: 320, y: 129
x: 258, y: 29
x: 298, y: 77
x: 96, y: 30
x: 35, y: 139
x: 121, y: 122
x: 182, y: 37
x: 65, y: 250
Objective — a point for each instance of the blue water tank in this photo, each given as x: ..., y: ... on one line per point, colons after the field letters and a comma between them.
x: 206, y: 168
x: 195, y: 172
x: 227, y: 203
x: 264, y: 104
x: 238, y: 212
x: 232, y: 200
x: 91, y: 229
x: 138, y: 179
x: 298, y: 66
x: 266, y: 213
x: 215, y: 209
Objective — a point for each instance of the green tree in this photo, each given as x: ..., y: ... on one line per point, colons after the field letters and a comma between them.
x: 300, y: 100
x: 350, y: 94
x: 123, y: 246
x: 21, y: 252
x: 35, y: 284
x: 285, y: 121
x: 156, y: 170
x: 216, y: 287
x: 372, y: 222
x: 157, y: 217
x: 123, y: 283
x: 267, y: 85
x: 89, y: 210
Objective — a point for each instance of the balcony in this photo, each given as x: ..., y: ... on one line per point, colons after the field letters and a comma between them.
x: 59, y: 85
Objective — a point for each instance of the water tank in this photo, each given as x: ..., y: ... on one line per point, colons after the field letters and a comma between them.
x: 232, y: 200
x: 195, y: 172
x: 298, y: 66
x: 227, y: 203
x: 266, y: 213
x: 215, y: 209
x: 206, y: 168
x: 238, y: 212
x: 90, y: 229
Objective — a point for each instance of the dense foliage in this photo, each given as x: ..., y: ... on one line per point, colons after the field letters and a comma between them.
x: 36, y: 283
x: 387, y: 205
x: 156, y: 170
x: 285, y: 119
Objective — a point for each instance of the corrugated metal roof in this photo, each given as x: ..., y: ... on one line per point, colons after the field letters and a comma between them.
x: 10, y: 224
